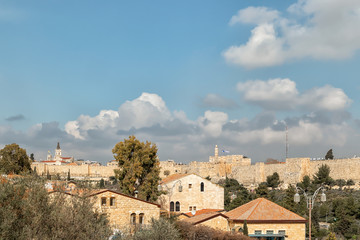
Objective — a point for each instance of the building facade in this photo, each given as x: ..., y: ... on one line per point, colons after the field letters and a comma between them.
x: 189, y: 192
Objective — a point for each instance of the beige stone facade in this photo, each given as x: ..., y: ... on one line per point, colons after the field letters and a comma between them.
x: 125, y: 212
x: 214, y: 220
x: 293, y: 231
x: 191, y: 192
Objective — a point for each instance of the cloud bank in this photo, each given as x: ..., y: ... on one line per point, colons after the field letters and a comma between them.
x: 318, y: 29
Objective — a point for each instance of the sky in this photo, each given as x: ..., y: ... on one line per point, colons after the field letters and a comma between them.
x: 185, y: 75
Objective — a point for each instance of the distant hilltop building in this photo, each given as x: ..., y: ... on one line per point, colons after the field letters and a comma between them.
x: 57, y: 159
x: 241, y: 159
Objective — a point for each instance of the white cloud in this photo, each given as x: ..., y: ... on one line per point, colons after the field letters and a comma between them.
x: 255, y: 15
x: 212, y: 122
x: 282, y: 94
x: 313, y: 28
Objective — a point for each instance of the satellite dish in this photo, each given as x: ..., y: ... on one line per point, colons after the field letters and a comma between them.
x: 193, y: 212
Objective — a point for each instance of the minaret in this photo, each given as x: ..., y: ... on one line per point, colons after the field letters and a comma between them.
x: 216, y: 151
x: 58, y: 152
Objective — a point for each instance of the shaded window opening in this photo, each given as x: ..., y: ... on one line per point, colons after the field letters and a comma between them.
x: 103, y: 201
x: 141, y: 218
x: 112, y: 201
x: 177, y: 207
x: 202, y: 187
x: 171, y: 206
x: 133, y: 218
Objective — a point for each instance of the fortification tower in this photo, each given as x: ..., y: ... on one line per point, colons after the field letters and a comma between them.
x: 58, y: 152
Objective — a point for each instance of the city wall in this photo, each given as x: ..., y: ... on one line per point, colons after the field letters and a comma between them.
x: 291, y: 172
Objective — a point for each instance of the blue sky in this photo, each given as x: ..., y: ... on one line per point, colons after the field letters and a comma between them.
x: 185, y: 75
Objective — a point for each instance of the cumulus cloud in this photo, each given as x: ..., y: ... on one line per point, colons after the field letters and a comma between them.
x: 282, y: 94
x: 183, y: 139
x: 312, y: 28
x: 217, y: 101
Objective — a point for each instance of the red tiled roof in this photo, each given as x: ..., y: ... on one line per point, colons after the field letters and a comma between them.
x: 202, y: 211
x: 263, y: 210
x: 66, y: 157
x: 173, y: 177
x: 203, y: 217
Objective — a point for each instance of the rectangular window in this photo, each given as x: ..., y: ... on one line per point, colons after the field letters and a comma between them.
x: 258, y: 232
x: 269, y: 231
x: 194, y: 208
x: 282, y: 232
x: 190, y: 208
x: 112, y: 201
x: 190, y: 186
x: 103, y: 201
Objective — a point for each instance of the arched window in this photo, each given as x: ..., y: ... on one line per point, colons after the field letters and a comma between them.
x: 202, y: 187
x: 171, y: 206
x: 133, y: 218
x: 141, y: 218
x: 177, y: 207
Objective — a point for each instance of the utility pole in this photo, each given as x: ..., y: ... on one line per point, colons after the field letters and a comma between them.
x: 286, y: 143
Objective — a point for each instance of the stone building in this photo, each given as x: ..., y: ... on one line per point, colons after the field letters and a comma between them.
x: 57, y: 159
x: 124, y: 212
x: 190, y: 192
x: 214, y: 220
x: 267, y: 219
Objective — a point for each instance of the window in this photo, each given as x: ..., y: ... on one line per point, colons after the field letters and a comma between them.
x: 269, y: 231
x: 177, y: 207
x: 171, y: 206
x: 112, y: 201
x: 190, y: 186
x: 141, y: 218
x: 103, y: 201
x: 282, y: 232
x: 201, y: 187
x: 194, y: 208
x: 258, y: 232
x: 133, y: 218
x: 190, y: 208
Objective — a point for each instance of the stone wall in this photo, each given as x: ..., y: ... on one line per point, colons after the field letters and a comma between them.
x: 75, y: 171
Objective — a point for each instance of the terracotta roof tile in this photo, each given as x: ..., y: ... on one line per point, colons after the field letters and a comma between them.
x: 202, y: 211
x: 262, y: 209
x: 203, y: 217
x: 173, y: 177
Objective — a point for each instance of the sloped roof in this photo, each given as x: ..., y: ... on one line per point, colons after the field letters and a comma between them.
x: 96, y: 192
x: 203, y: 217
x: 173, y: 177
x: 263, y: 210
x: 202, y: 211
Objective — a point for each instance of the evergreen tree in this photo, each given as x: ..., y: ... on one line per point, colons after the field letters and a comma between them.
x: 305, y: 183
x: 68, y: 176
x: 323, y: 176
x: 138, y: 168
x: 246, y: 230
x: 48, y: 176
x: 102, y: 183
x: 14, y: 159
x: 273, y: 181
x: 329, y: 154
x: 262, y: 190
x: 32, y: 158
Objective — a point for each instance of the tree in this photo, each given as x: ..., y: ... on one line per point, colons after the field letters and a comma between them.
x: 262, y: 190
x: 28, y: 212
x: 139, y: 168
x: 166, y: 172
x: 246, y: 230
x: 14, y: 159
x: 273, y: 181
x: 323, y: 175
x: 32, y: 158
x: 68, y: 176
x: 102, y: 183
x: 329, y: 154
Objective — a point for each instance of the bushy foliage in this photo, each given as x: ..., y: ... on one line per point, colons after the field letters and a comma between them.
x: 323, y: 175
x: 139, y: 168
x: 13, y: 159
x: 273, y: 181
x: 199, y: 232
x: 161, y: 229
x: 27, y: 212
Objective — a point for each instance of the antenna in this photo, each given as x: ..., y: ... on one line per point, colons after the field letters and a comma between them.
x: 287, y: 144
